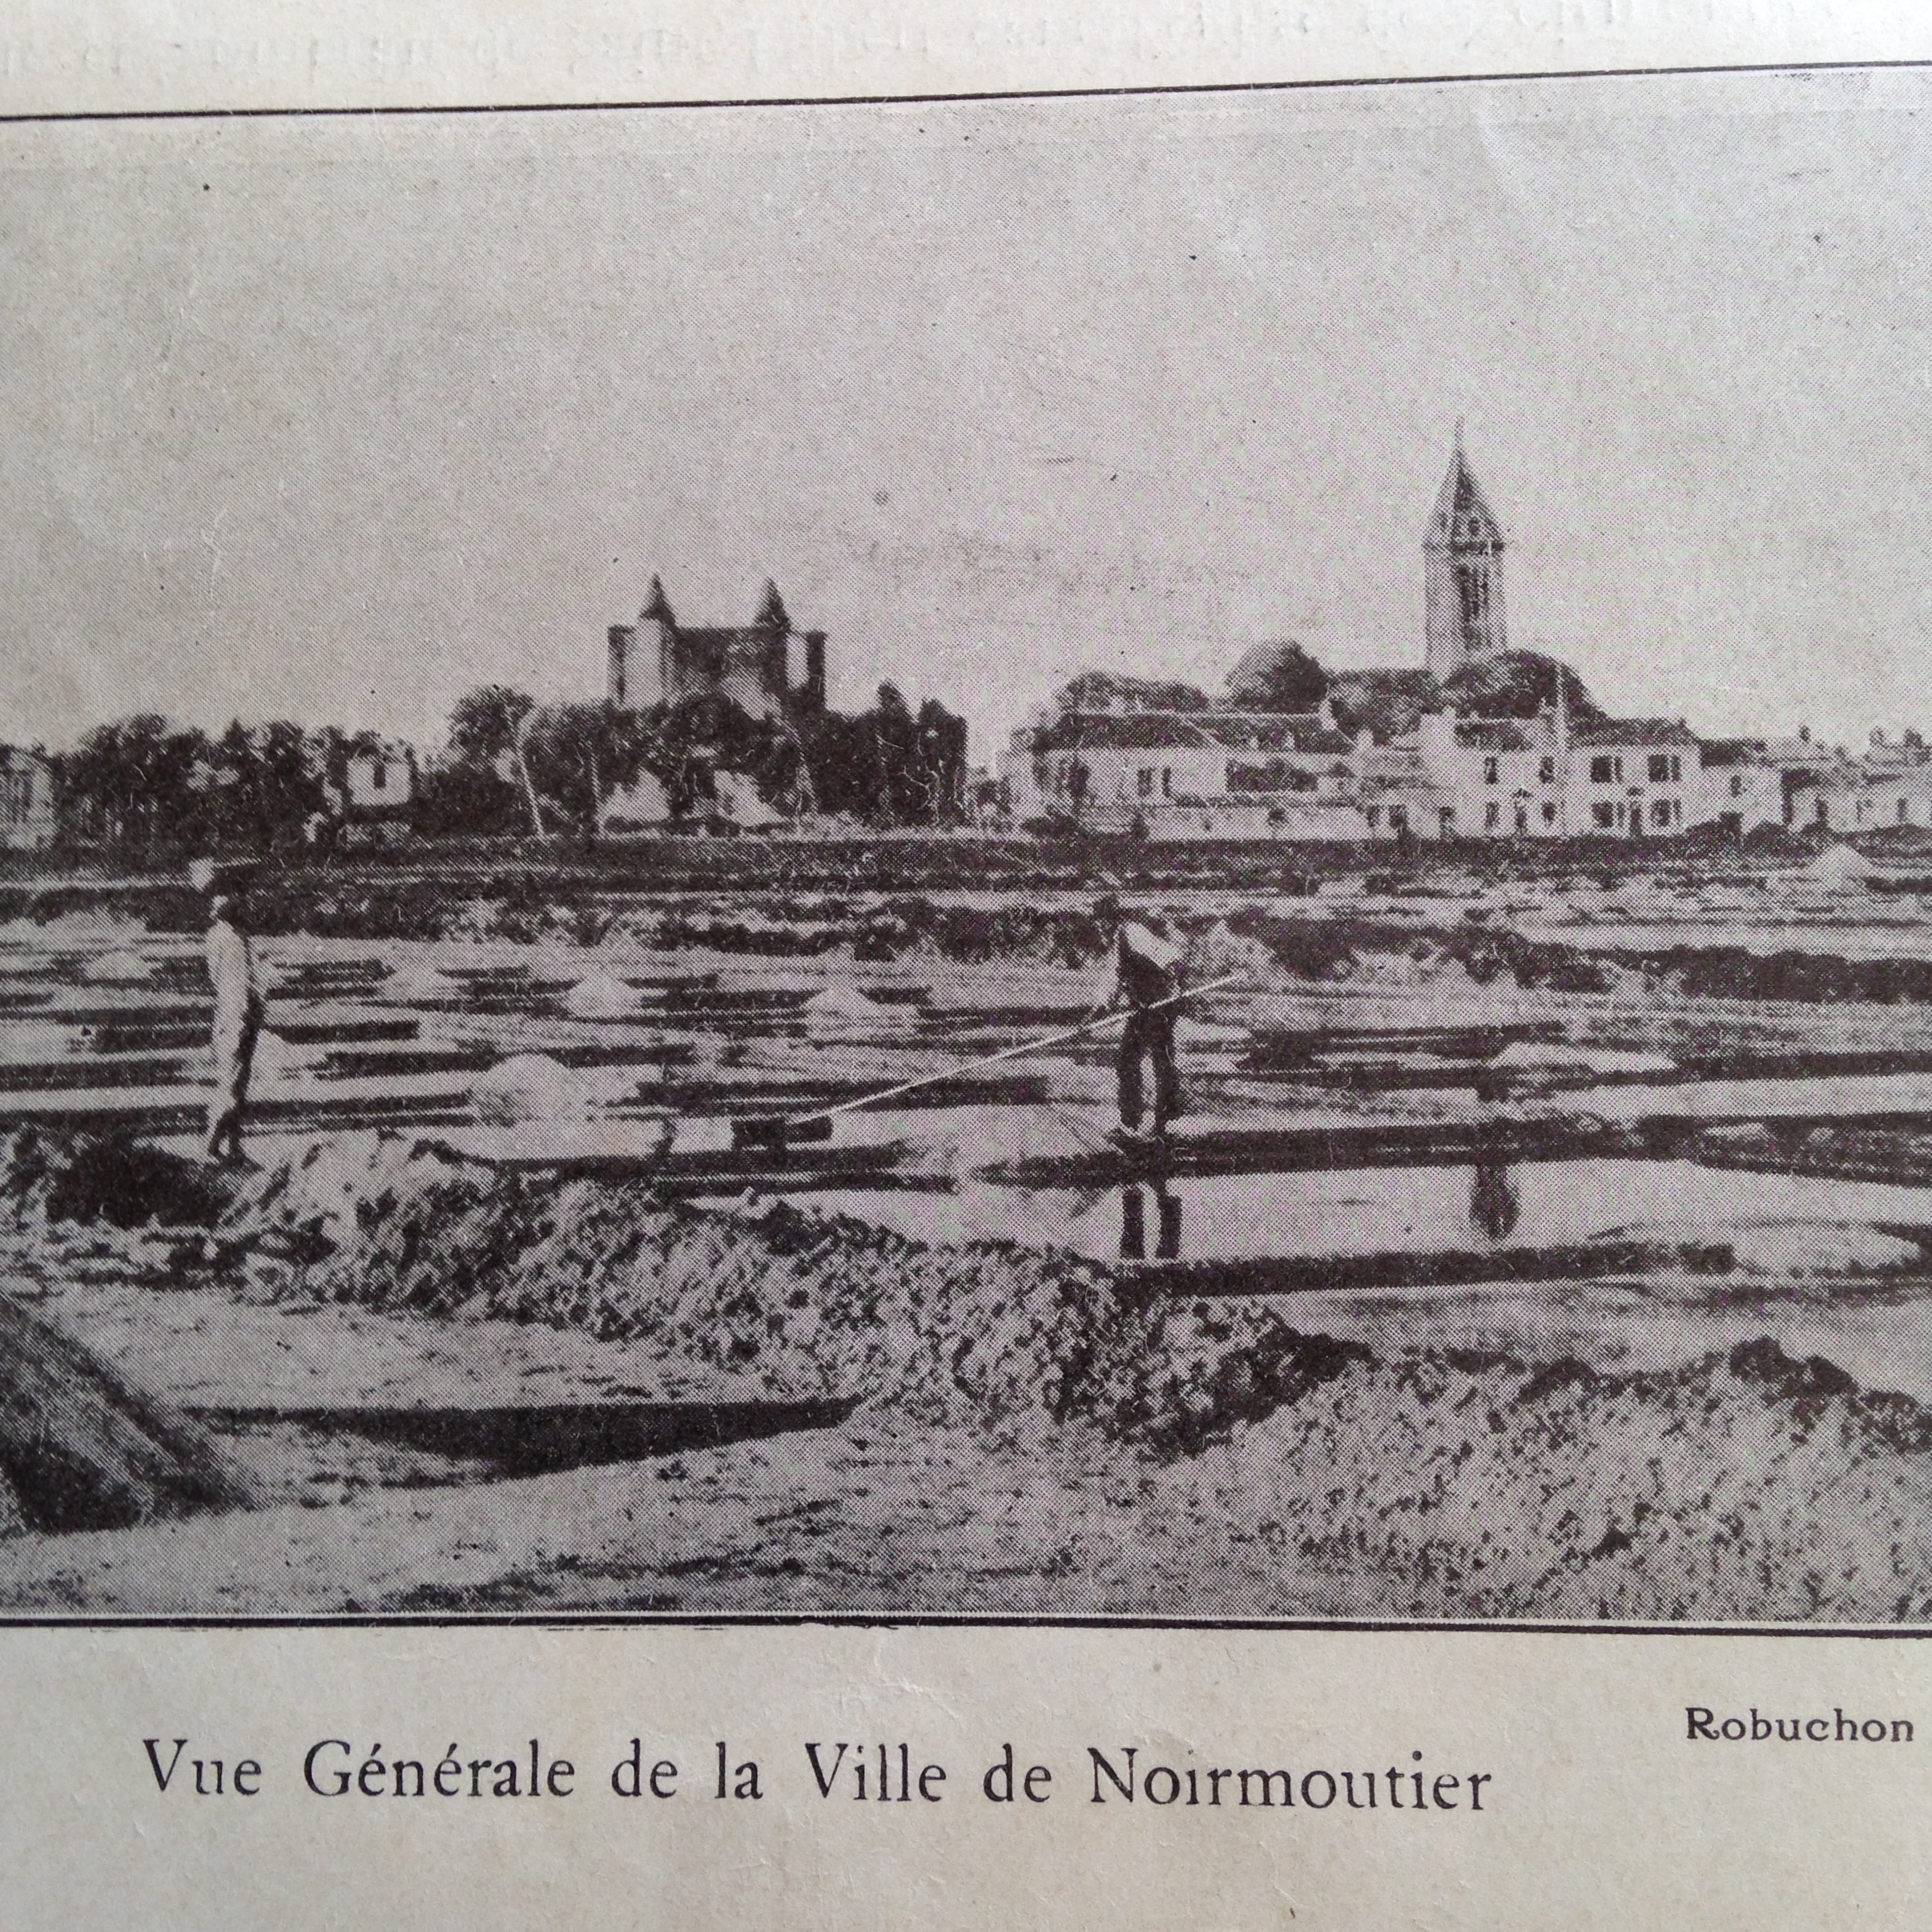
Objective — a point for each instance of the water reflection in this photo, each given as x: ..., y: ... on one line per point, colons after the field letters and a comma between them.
x: 1133, y: 1222
x: 1496, y: 1205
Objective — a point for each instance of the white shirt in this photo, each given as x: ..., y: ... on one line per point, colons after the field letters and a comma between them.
x: 231, y: 969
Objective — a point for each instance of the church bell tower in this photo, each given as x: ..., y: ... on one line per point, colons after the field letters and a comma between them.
x: 1462, y: 574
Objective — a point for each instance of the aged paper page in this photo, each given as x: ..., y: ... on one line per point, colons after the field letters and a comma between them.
x: 965, y: 967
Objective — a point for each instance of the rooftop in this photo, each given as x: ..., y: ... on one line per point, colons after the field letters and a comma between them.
x: 1496, y: 734
x: 1642, y: 732
x: 1192, y: 730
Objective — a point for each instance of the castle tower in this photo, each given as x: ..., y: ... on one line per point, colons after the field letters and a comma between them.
x: 1463, y: 614
x: 657, y: 648
x: 772, y: 614
x: 643, y: 669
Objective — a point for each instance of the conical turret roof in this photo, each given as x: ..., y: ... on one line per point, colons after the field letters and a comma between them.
x: 772, y: 614
x: 657, y: 606
x: 1462, y: 519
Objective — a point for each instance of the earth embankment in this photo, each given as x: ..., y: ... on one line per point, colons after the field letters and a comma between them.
x: 1286, y: 1469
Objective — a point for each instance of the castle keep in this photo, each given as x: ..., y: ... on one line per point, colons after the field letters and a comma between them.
x: 765, y: 668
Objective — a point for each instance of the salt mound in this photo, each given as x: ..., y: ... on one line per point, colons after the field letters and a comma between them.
x: 1839, y: 865
x: 529, y: 1087
x: 420, y: 982
x: 845, y: 1008
x: 603, y: 997
x: 117, y: 969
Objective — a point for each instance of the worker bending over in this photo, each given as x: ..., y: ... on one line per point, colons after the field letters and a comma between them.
x: 1144, y: 980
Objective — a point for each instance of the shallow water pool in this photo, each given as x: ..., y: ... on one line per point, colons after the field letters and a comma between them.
x: 1818, y: 1222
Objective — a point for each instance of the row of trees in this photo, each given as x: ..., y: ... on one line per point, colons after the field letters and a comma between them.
x: 147, y: 785
x: 509, y: 766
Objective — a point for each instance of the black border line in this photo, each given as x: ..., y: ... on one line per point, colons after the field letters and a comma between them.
x: 563, y: 1621
x: 1189, y: 89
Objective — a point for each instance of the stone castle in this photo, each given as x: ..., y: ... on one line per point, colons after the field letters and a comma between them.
x: 766, y: 667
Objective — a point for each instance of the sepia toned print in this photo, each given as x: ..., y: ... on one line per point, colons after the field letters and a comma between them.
x: 1244, y: 931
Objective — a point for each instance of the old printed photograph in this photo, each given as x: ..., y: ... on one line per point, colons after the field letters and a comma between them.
x: 1157, y: 856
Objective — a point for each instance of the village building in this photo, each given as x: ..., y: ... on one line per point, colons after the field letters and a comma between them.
x: 1399, y: 798
x: 1121, y: 753
x: 1634, y: 778
x: 27, y: 818
x: 1890, y: 786
x: 766, y: 668
x: 1228, y: 775
x: 1743, y: 787
x: 372, y: 789
x: 1499, y: 778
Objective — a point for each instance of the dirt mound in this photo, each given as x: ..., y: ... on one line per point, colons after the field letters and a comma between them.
x: 1439, y: 1484
x: 105, y: 1178
x: 1749, y: 1484
x: 809, y: 1306
x: 1433, y: 1483
x: 80, y: 1451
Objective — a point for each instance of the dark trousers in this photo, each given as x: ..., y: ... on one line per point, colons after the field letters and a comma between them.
x: 1149, y: 1036
x: 234, y: 1063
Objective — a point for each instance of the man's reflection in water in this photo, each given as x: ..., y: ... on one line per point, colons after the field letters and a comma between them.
x: 1133, y: 1222
x: 1495, y: 1206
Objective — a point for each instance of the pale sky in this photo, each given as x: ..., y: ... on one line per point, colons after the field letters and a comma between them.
x: 335, y: 419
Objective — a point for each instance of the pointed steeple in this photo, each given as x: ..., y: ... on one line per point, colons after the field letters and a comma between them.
x: 1462, y: 572
x: 771, y: 613
x: 1462, y: 519
x: 657, y: 608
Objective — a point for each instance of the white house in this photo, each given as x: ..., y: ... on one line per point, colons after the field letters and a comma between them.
x: 1635, y: 778
x: 371, y: 792
x: 1743, y: 788
x: 1188, y: 774
x: 1858, y: 795
x: 1400, y: 798
x: 26, y: 800
x: 1500, y: 778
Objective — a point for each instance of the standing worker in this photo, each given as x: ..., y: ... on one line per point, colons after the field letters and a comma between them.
x: 239, y: 1010
x: 1144, y: 980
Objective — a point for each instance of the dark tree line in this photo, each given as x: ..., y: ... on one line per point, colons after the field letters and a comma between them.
x: 510, y: 767
x: 154, y: 788
x: 890, y: 765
